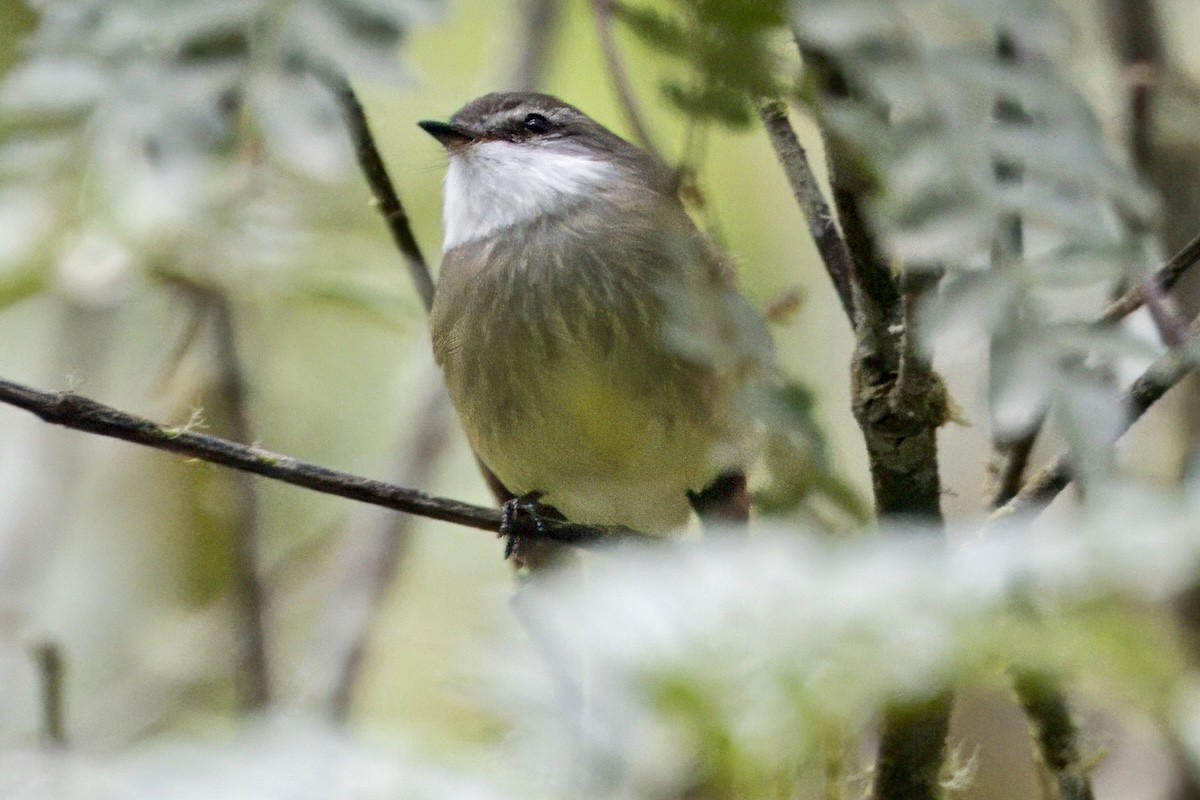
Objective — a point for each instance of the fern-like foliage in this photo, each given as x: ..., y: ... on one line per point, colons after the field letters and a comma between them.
x: 984, y: 160
x: 151, y: 134
x: 735, y: 668
x: 727, y: 48
x: 977, y: 157
x: 927, y: 87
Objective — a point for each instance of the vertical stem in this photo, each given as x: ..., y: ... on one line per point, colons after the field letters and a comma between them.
x: 912, y: 749
x: 1044, y: 701
x: 602, y: 11
x: 539, y: 23
x: 1011, y: 454
x: 899, y: 403
x: 1055, y: 733
x: 835, y: 749
x: 1136, y: 31
x: 370, y: 559
x: 49, y: 658
x: 254, y: 690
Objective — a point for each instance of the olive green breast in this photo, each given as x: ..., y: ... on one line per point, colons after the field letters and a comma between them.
x: 559, y: 343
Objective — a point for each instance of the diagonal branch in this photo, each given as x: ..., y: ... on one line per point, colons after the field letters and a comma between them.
x: 386, y: 198
x: 1168, y: 370
x: 1164, y: 279
x: 83, y: 414
x: 602, y: 12
x: 1009, y: 466
x: 822, y: 224
x: 1009, y: 462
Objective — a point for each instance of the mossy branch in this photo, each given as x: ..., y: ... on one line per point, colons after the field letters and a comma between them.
x: 897, y: 398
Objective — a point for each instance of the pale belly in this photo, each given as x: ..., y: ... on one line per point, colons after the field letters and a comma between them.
x: 603, y: 449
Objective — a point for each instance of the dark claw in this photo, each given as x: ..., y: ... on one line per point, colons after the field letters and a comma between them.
x: 508, y: 515
x: 510, y: 512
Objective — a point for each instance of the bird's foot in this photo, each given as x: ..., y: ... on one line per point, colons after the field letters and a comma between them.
x: 516, y: 546
x: 723, y: 503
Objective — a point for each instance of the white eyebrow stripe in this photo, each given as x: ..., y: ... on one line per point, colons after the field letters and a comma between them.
x: 494, y: 185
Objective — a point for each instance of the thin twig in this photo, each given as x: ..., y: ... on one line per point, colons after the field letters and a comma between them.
x: 1165, y: 279
x: 1045, y: 703
x: 1057, y: 737
x: 248, y: 590
x: 1165, y: 312
x: 1010, y: 464
x: 602, y: 13
x: 387, y: 200
x: 49, y: 658
x: 876, y: 290
x: 1148, y: 389
x: 822, y: 225
x: 82, y: 414
x: 1135, y: 29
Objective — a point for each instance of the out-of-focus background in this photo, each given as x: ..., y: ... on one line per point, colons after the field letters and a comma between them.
x: 121, y: 558
x: 131, y: 575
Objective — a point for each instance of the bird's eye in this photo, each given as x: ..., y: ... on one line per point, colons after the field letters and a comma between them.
x: 536, y: 123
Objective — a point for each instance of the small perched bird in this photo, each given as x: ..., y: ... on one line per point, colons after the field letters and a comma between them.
x: 592, y: 339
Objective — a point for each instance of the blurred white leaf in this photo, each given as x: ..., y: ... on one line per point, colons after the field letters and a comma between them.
x: 846, y: 25
x: 25, y: 218
x: 320, y: 29
x: 926, y: 81
x: 1022, y: 375
x: 753, y: 648
x: 287, y: 758
x: 1091, y: 417
x: 95, y: 269
x: 301, y: 124
x: 156, y: 119
x: 290, y: 757
x: 53, y: 85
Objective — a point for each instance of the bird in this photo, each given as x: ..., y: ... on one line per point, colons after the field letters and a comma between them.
x: 592, y: 339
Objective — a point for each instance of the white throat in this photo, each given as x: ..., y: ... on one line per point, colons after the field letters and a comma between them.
x: 494, y: 185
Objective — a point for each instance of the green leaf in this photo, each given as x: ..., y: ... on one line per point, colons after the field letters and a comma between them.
x: 21, y: 284
x: 658, y: 29
x: 727, y: 46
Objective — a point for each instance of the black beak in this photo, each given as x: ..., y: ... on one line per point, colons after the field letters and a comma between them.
x: 449, y: 135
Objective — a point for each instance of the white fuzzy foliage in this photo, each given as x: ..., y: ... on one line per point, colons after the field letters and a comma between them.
x: 967, y: 137
x: 128, y: 120
x: 292, y: 757
x: 774, y: 641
